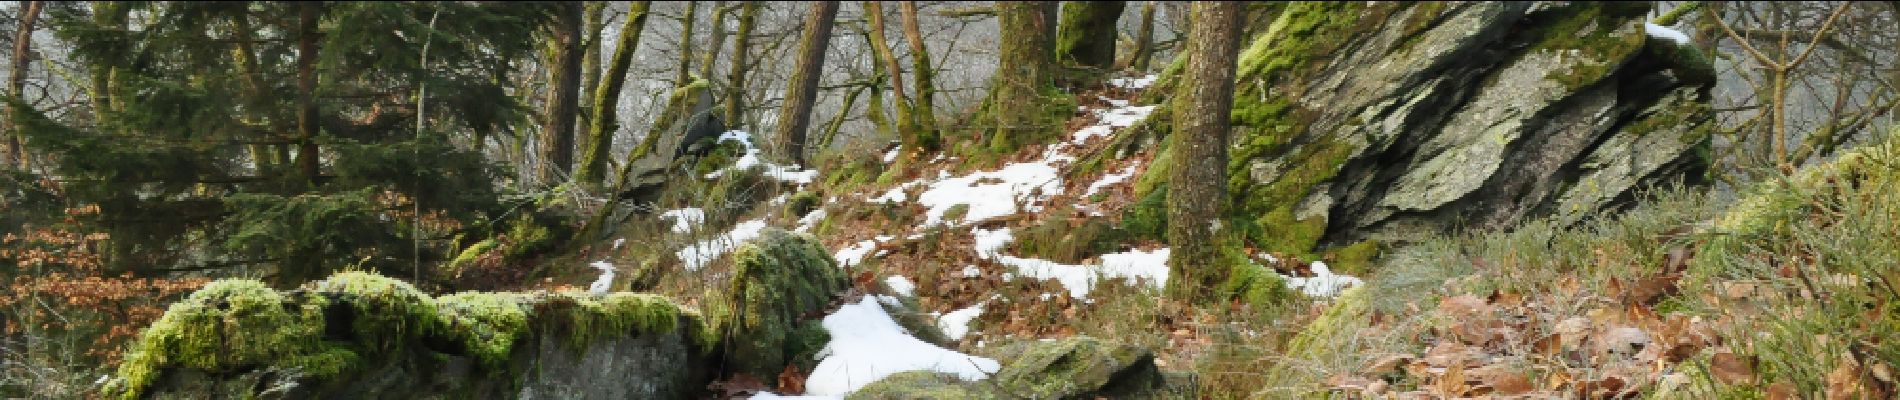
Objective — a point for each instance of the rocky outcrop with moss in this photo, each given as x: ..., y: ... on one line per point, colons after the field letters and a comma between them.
x: 362, y: 335
x: 1077, y: 367
x: 780, y: 283
x: 1386, y: 121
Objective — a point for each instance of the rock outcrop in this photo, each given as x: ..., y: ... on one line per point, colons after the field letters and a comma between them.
x: 1078, y: 367
x: 1387, y: 121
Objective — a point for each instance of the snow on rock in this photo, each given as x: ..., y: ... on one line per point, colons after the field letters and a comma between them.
x: 867, y: 345
x: 1133, y: 83
x: 991, y: 194
x: 1323, y: 284
x: 792, y: 174
x: 901, y: 285
x: 854, y: 254
x: 1659, y: 31
x: 606, y: 280
x: 684, y: 219
x: 810, y: 220
x: 704, y: 252
x: 956, y: 324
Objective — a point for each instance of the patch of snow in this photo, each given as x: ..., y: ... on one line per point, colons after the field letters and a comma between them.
x: 892, y: 155
x: 1109, y: 179
x: 854, y: 254
x: 618, y: 242
x: 810, y: 220
x: 606, y: 280
x: 751, y: 158
x: 901, y: 285
x: 704, y: 252
x: 991, y: 194
x: 956, y: 324
x: 1659, y: 31
x: 1149, y: 265
x: 1083, y: 135
x: 1078, y: 279
x: 1323, y: 284
x: 1133, y: 83
x: 970, y: 271
x: 684, y: 219
x: 867, y: 345
x: 1123, y: 117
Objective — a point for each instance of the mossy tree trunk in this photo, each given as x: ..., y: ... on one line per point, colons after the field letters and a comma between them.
x: 1086, y: 38
x: 717, y: 39
x: 735, y: 75
x: 248, y: 74
x: 1197, y: 196
x: 685, y: 73
x: 607, y: 98
x: 1020, y: 101
x: 795, y: 116
x: 11, y: 152
x: 922, y: 108
x: 557, y: 127
x: 594, y: 21
x: 907, y: 129
x: 1144, y: 38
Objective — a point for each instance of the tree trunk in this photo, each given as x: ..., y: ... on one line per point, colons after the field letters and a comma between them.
x: 685, y: 74
x: 593, y: 167
x: 248, y: 74
x: 795, y: 117
x: 906, y: 126
x: 557, y: 132
x: 735, y: 76
x: 12, y: 154
x: 717, y: 40
x: 923, y: 109
x: 307, y: 37
x: 1144, y: 38
x: 1019, y: 101
x: 1086, y: 38
x: 595, y: 22
x: 1197, y: 193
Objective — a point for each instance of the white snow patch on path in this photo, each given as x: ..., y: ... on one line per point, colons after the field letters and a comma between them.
x: 867, y: 345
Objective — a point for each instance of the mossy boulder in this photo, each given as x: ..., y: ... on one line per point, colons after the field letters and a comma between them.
x: 1389, y: 121
x: 780, y: 281
x: 363, y: 335
x: 1078, y: 367
x: 925, y: 385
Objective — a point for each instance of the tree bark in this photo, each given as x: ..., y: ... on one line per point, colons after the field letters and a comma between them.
x: 307, y: 124
x: 906, y: 127
x: 685, y: 73
x: 557, y: 132
x: 795, y: 117
x: 1144, y: 38
x: 1023, y: 77
x: 593, y: 167
x: 1086, y: 38
x: 595, y: 22
x: 13, y: 153
x: 717, y: 40
x: 1197, y: 196
x: 735, y: 75
x: 922, y: 73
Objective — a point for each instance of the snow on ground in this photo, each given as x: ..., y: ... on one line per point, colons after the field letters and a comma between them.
x: 1109, y: 179
x: 956, y: 324
x: 606, y: 280
x: 891, y: 156
x: 1078, y: 279
x: 1134, y: 83
x: 867, y: 345
x: 854, y: 253
x: 699, y: 254
x: 792, y: 174
x: 1323, y: 284
x: 684, y: 219
x: 901, y: 285
x: 810, y: 220
x: 991, y: 194
x: 1659, y: 31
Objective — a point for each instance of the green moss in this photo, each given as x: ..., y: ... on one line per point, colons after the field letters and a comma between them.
x: 1065, y: 240
x: 1148, y: 217
x: 924, y: 385
x: 1355, y: 259
x: 1255, y: 285
x: 1273, y: 202
x: 228, y: 325
x: 389, y: 312
x: 777, y: 280
x: 1075, y: 367
x: 471, y: 253
x: 801, y: 203
x: 1592, y: 36
x: 581, y: 319
x: 486, y: 324
x: 1690, y: 64
x: 719, y: 157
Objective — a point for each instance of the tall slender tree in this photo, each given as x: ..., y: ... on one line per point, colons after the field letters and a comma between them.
x: 907, y: 129
x: 600, y: 143
x: 307, y: 38
x: 1197, y: 195
x: 11, y: 152
x: 563, y: 106
x: 716, y: 40
x: 923, y: 76
x: 795, y: 116
x: 1144, y: 38
x: 684, y: 74
x: 736, y: 73
x: 1023, y: 102
x: 594, y: 21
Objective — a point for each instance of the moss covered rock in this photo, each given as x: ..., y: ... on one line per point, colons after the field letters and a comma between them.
x: 1078, y: 367
x: 362, y: 335
x: 778, y: 282
x: 1386, y: 121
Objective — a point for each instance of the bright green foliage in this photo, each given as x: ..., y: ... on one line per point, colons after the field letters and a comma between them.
x: 776, y: 280
x: 582, y: 319
x: 227, y: 325
x: 801, y: 203
x: 486, y: 324
x: 196, y: 116
x: 388, y: 311
x: 1148, y: 217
